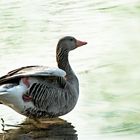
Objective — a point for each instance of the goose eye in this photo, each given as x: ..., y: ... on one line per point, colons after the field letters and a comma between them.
x: 71, y: 39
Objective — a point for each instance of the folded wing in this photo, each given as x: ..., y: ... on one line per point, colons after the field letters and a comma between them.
x: 31, y: 71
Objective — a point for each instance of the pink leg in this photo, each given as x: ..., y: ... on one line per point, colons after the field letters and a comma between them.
x: 26, y: 98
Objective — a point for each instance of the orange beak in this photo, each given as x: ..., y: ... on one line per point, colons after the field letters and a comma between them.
x: 80, y: 43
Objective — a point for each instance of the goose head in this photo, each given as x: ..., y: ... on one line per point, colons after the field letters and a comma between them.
x: 69, y: 43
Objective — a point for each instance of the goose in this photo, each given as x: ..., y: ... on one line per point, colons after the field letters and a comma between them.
x: 41, y: 91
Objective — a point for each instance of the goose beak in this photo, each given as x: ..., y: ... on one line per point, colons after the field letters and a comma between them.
x: 80, y: 43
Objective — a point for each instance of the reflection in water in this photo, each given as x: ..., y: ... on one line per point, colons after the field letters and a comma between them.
x: 48, y: 129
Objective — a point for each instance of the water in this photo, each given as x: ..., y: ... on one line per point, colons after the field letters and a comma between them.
x: 108, y: 67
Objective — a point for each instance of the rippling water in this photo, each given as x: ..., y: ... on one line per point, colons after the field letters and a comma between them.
x: 108, y: 67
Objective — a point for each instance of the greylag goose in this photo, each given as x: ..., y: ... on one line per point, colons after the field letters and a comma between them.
x: 40, y: 91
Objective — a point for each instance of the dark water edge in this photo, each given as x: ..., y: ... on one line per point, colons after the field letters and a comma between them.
x: 43, y: 129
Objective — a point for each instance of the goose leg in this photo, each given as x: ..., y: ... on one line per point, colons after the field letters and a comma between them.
x: 26, y: 97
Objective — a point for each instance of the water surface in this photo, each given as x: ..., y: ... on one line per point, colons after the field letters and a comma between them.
x: 108, y: 67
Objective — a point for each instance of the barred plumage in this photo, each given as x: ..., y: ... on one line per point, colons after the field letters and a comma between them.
x: 38, y: 91
x: 44, y: 95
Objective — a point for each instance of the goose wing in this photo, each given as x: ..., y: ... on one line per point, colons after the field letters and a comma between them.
x: 32, y: 71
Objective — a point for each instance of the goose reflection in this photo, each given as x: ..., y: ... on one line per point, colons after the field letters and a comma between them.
x: 42, y: 129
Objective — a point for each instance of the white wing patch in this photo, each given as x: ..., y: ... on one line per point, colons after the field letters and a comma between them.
x: 56, y: 72
x: 48, y: 72
x: 40, y: 71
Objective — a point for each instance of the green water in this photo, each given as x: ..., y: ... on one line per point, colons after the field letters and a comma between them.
x: 108, y: 67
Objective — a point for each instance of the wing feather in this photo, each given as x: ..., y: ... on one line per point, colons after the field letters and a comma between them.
x: 32, y: 71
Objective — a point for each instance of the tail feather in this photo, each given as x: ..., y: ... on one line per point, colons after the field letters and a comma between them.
x: 11, y: 95
x: 3, y: 90
x: 3, y: 93
x: 5, y: 87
